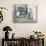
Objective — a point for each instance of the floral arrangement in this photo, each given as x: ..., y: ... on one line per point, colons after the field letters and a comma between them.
x: 39, y: 34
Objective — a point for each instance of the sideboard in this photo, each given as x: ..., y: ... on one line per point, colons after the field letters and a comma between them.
x: 23, y: 42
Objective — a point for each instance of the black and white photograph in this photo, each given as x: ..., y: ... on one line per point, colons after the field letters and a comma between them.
x: 24, y: 13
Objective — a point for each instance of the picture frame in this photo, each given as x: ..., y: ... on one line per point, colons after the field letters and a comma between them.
x: 24, y: 13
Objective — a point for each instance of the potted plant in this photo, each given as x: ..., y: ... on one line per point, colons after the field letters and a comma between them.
x: 1, y: 15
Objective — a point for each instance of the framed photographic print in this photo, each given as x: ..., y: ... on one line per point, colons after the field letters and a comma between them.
x: 24, y: 13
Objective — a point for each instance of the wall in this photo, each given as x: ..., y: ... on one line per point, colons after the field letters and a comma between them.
x: 23, y: 29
